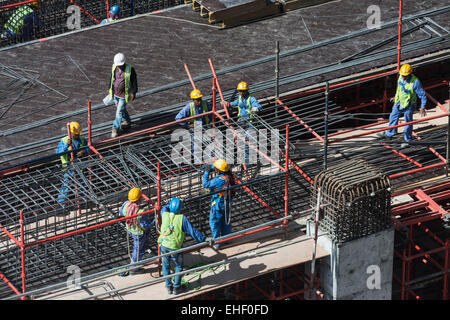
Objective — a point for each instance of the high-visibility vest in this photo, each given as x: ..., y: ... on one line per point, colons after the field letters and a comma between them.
x: 194, y: 112
x: 221, y: 194
x: 136, y: 230
x: 249, y: 106
x: 16, y: 22
x: 65, y: 158
x: 172, y: 234
x: 127, y: 81
x: 405, y: 93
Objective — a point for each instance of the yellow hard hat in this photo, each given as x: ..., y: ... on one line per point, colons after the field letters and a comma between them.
x: 405, y: 70
x: 134, y: 194
x: 242, y: 86
x: 196, y: 94
x: 75, y: 127
x: 221, y: 165
x: 35, y: 3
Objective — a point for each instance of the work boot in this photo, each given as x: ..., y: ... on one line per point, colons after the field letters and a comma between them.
x: 114, y: 133
x: 169, y: 290
x: 125, y: 125
x: 180, y: 289
x: 382, y: 135
x: 404, y: 145
x: 136, y: 271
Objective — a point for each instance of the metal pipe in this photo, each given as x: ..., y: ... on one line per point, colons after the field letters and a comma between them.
x: 89, y: 124
x: 22, y: 252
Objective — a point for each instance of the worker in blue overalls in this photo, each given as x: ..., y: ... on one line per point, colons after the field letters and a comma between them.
x: 193, y: 108
x: 248, y: 106
x: 405, y: 101
x: 220, y: 214
x: 77, y: 143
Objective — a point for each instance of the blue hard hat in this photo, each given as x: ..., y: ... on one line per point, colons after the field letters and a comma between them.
x: 175, y: 205
x: 115, y: 9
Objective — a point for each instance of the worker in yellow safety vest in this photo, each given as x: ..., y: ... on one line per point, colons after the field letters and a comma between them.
x: 409, y: 88
x: 193, y: 108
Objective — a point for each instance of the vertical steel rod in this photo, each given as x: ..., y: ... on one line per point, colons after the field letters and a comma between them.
x: 22, y: 252
x: 399, y: 44
x: 325, y: 136
x: 277, y: 76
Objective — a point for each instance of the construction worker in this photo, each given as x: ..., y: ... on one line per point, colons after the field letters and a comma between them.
x: 220, y: 214
x: 114, y: 12
x: 195, y: 107
x: 20, y: 24
x: 122, y: 89
x: 405, y: 101
x: 246, y: 103
x: 78, y: 144
x: 137, y: 227
x: 174, y: 227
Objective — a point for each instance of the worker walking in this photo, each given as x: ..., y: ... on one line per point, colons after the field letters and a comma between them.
x: 405, y: 101
x: 114, y: 12
x: 122, y: 89
x: 174, y: 227
x: 21, y: 23
x: 246, y: 103
x: 193, y: 108
x: 137, y: 227
x: 78, y: 145
x: 220, y: 214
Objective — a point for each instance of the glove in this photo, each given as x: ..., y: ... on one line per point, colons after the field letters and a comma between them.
x: 206, y: 167
x: 209, y: 240
x: 255, y: 109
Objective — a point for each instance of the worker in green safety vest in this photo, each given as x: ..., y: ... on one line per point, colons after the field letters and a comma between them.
x: 122, y: 89
x: 246, y: 103
x: 174, y: 227
x: 78, y: 145
x: 195, y: 107
x: 409, y: 88
x: 21, y: 23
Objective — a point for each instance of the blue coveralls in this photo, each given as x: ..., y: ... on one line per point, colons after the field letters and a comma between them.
x: 178, y: 257
x: 220, y: 210
x: 186, y: 112
x: 139, y: 241
x: 68, y: 170
x: 408, y: 111
x: 245, y: 110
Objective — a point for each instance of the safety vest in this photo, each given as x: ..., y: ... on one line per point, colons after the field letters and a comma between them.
x: 17, y: 20
x: 108, y: 20
x: 127, y: 81
x: 221, y: 194
x: 172, y: 234
x: 136, y: 230
x: 405, y: 93
x: 249, y: 106
x: 194, y: 112
x: 65, y: 157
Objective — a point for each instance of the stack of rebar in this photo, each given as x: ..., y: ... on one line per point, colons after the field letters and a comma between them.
x: 358, y: 198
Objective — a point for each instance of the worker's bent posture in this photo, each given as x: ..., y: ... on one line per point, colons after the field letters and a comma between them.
x: 193, y: 108
x: 246, y: 103
x: 113, y: 15
x: 220, y: 214
x: 78, y: 144
x: 405, y: 102
x: 174, y: 227
x: 137, y: 227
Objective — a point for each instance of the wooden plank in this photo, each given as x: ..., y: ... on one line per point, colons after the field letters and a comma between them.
x: 297, y: 4
x: 235, y: 20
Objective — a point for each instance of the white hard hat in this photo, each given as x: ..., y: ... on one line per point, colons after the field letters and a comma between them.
x: 119, y: 59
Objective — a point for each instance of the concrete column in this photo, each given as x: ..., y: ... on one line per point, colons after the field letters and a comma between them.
x: 360, y: 269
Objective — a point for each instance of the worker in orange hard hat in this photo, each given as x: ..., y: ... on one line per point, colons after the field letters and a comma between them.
x: 220, y: 214
x: 77, y: 144
x: 138, y: 227
x: 409, y: 88
x: 193, y: 108
x: 20, y: 26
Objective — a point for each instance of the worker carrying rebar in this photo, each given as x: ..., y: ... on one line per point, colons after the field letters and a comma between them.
x: 220, y: 214
x: 122, y: 89
x: 409, y: 88
x: 21, y: 23
x: 114, y: 12
x: 137, y: 227
x: 77, y: 143
x: 174, y: 227
x: 193, y: 108
x: 246, y: 103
